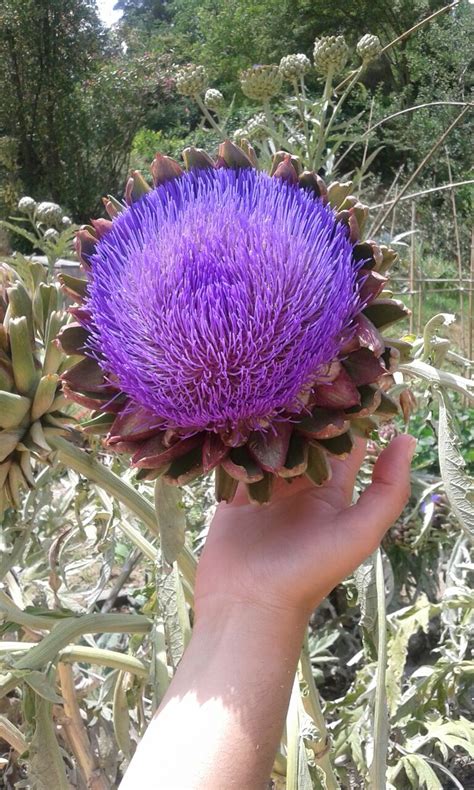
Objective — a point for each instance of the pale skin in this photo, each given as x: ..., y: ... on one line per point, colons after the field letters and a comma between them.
x: 262, y: 572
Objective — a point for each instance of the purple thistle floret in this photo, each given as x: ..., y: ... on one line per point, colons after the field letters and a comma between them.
x: 219, y: 297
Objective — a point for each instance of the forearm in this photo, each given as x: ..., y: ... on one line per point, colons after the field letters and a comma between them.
x: 222, y: 718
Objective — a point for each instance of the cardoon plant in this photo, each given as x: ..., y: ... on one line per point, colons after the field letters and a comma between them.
x: 231, y: 320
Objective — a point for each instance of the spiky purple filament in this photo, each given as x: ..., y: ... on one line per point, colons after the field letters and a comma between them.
x: 218, y: 297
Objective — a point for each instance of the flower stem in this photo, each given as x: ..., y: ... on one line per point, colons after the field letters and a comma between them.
x: 322, y: 119
x: 208, y: 115
x: 342, y: 99
x: 378, y: 768
x: 312, y: 705
x: 300, y: 98
x: 276, y: 139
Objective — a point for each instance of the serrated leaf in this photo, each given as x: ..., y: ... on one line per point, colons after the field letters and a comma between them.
x: 420, y: 773
x: 403, y: 628
x: 459, y: 487
x: 171, y: 519
x: 25, y: 234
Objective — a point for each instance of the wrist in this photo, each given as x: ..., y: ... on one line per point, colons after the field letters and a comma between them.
x: 224, y: 616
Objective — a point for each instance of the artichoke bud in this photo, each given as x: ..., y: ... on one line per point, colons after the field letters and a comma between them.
x: 257, y: 127
x: 369, y: 47
x: 330, y: 54
x: 239, y: 135
x: 51, y: 235
x: 49, y: 213
x: 29, y: 391
x: 26, y: 205
x: 292, y: 67
x: 191, y: 80
x: 261, y: 82
x: 213, y: 99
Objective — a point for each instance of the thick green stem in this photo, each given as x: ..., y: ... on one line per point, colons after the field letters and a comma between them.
x: 341, y: 101
x: 313, y: 707
x: 276, y: 138
x: 66, y: 631
x: 300, y: 99
x: 87, y: 655
x: 316, y: 164
x: 378, y: 768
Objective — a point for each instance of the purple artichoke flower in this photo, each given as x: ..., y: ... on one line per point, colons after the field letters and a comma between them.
x: 230, y: 321
x: 219, y: 298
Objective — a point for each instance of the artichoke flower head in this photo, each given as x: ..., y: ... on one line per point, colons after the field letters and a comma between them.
x: 231, y: 320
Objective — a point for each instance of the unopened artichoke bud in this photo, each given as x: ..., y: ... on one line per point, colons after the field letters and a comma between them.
x: 213, y: 99
x: 49, y: 213
x: 369, y: 47
x: 239, y: 134
x: 297, y: 139
x: 30, y: 389
x: 26, y: 205
x: 330, y: 54
x: 66, y: 222
x: 51, y: 235
x: 191, y: 80
x: 294, y: 66
x: 257, y: 127
x: 261, y: 82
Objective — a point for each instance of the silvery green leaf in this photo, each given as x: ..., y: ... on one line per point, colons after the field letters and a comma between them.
x: 442, y: 378
x: 39, y: 682
x: 174, y: 613
x: 171, y: 519
x: 458, y: 485
x: 419, y: 773
x: 364, y: 577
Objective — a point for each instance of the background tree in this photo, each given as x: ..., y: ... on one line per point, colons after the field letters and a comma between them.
x: 71, y: 98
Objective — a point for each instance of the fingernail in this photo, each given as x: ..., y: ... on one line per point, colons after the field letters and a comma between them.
x: 411, y: 446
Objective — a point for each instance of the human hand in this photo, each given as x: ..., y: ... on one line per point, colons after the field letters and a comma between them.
x: 291, y: 553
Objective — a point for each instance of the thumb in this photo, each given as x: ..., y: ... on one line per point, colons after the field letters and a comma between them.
x: 366, y: 522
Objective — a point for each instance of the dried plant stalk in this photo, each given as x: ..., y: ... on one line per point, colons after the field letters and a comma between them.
x: 75, y: 732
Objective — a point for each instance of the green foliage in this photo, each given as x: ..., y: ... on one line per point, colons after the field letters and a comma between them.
x: 71, y: 100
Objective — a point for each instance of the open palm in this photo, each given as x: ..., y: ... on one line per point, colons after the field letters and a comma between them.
x: 292, y: 552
